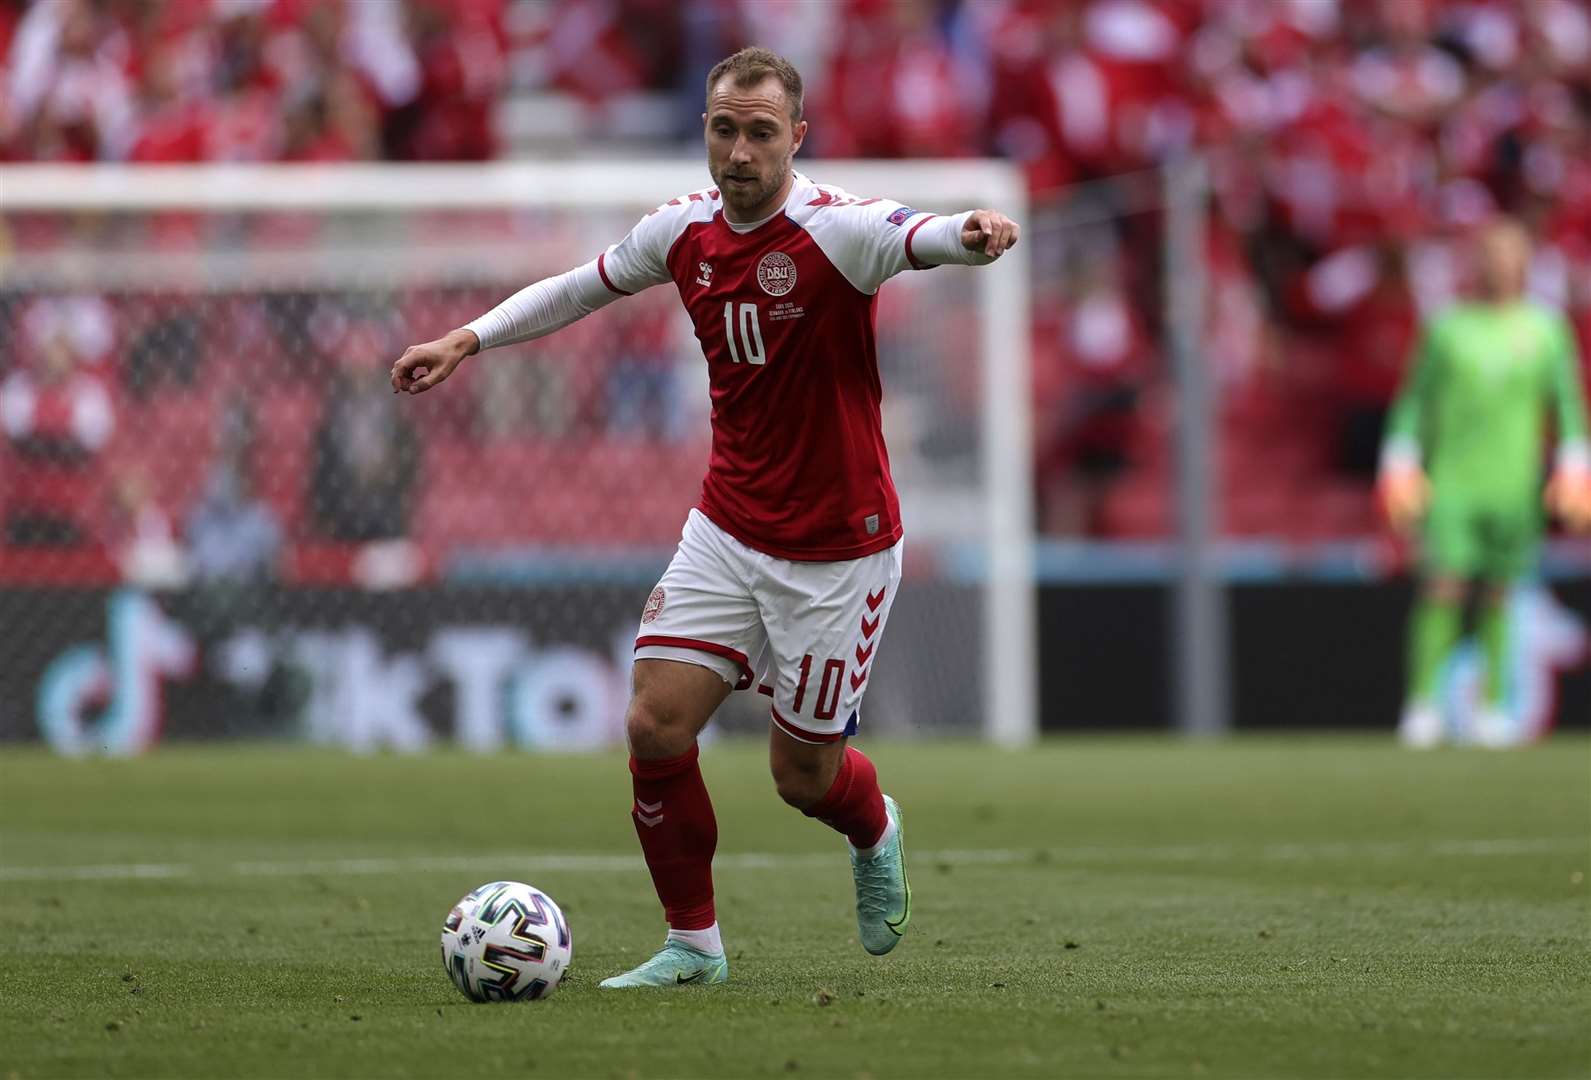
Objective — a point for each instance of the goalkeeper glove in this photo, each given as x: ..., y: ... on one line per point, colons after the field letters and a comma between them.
x: 1569, y: 495
x: 1404, y: 493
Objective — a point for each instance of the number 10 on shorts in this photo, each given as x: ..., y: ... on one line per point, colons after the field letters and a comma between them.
x: 828, y: 700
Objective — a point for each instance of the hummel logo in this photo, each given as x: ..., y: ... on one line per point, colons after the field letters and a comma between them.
x: 706, y: 275
x: 875, y: 599
x: 681, y: 978
x: 649, y: 814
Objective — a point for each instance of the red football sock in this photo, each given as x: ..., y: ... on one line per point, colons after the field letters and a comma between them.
x: 674, y: 820
x: 854, y: 805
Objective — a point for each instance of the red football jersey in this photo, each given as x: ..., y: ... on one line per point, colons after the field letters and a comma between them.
x: 784, y: 310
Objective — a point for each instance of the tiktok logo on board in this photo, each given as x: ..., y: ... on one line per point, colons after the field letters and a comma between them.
x: 107, y: 698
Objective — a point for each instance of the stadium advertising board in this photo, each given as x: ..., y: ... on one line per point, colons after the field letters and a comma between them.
x: 115, y: 671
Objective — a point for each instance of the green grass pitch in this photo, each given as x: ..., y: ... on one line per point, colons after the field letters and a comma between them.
x: 1323, y: 906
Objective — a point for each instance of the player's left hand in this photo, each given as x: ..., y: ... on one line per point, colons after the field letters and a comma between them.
x: 990, y: 232
x: 1569, y: 496
x: 1404, y: 492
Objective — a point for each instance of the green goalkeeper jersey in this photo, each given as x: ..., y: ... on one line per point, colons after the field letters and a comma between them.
x: 1475, y: 405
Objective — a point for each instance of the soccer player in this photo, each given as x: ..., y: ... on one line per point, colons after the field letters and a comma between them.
x: 790, y: 560
x: 1463, y: 457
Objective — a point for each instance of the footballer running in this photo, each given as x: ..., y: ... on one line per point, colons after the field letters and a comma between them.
x: 789, y: 562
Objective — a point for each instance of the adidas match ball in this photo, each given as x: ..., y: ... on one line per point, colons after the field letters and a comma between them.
x: 506, y: 941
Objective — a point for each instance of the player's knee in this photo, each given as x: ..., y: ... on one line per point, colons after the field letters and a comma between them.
x: 1444, y: 590
x: 656, y: 730
x: 800, y: 785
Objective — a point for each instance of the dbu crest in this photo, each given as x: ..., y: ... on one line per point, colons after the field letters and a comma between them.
x: 654, y: 605
x: 776, y: 273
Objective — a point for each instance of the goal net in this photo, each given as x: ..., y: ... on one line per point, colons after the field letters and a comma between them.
x: 219, y: 521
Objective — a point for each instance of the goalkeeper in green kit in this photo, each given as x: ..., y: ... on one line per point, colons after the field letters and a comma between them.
x: 1462, y: 460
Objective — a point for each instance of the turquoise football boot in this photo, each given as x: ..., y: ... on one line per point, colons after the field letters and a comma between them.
x: 883, y: 895
x: 675, y: 964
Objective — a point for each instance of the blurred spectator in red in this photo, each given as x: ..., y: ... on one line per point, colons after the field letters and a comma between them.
x: 461, y: 73
x: 596, y: 50
x: 57, y: 414
x: 173, y: 109
x: 1105, y: 360
x: 1085, y: 89
x: 336, y: 123
x: 68, y: 92
x: 1362, y: 316
x: 892, y: 88
x: 1402, y: 71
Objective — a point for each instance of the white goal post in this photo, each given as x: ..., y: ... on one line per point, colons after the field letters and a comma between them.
x: 987, y: 526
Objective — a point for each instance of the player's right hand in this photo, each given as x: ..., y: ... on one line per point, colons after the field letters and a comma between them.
x: 423, y: 366
x: 990, y: 232
x: 1405, y: 495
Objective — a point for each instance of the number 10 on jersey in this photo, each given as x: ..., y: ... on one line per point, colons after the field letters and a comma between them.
x: 750, y: 333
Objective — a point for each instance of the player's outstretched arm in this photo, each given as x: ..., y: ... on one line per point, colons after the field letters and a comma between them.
x: 872, y: 240
x: 534, y: 311
x: 970, y: 238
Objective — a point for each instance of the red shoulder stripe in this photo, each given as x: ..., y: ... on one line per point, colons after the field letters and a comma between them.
x: 926, y: 218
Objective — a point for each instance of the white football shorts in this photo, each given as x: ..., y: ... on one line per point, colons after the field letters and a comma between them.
x: 804, y: 633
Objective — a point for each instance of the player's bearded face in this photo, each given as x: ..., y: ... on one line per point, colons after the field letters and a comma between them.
x: 747, y: 185
x: 750, y: 144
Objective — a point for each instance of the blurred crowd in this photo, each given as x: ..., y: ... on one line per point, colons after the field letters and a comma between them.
x: 1353, y: 144
x: 1070, y: 88
x: 249, y: 80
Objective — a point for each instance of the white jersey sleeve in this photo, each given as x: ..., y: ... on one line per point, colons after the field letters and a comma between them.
x: 539, y: 309
x: 640, y: 260
x: 872, y: 240
x: 637, y: 262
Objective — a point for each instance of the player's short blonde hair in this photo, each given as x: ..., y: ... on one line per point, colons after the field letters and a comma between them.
x: 751, y: 65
